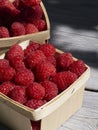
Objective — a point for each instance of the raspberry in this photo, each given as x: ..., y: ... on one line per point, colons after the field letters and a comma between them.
x: 48, y: 49
x: 17, y: 29
x: 7, y: 5
x: 64, y: 61
x: 19, y: 94
x: 8, y: 74
x: 36, y: 91
x: 24, y: 77
x: 30, y: 48
x: 34, y: 103
x: 27, y: 13
x: 6, y: 88
x: 31, y: 2
x: 64, y: 79
x: 40, y: 24
x: 14, y: 51
x: 52, y: 60
x: 17, y: 63
x: 30, y: 28
x: 51, y: 90
x: 35, y: 125
x: 4, y: 32
x: 77, y: 67
x: 34, y: 58
x: 44, y: 71
x: 4, y: 63
x: 38, y: 12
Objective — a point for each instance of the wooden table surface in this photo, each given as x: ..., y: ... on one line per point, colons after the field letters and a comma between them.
x: 74, y: 28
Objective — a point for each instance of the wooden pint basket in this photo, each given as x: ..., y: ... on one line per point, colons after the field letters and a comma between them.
x: 37, y: 37
x: 52, y: 114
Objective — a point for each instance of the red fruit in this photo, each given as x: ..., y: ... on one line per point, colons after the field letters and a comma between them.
x: 6, y: 88
x: 48, y: 49
x: 30, y: 28
x: 34, y: 103
x: 51, y: 90
x: 40, y: 24
x: 38, y: 12
x: 14, y: 51
x: 4, y: 32
x: 17, y: 29
x: 17, y: 63
x: 52, y: 60
x: 31, y: 2
x: 44, y: 71
x: 24, y: 77
x: 19, y: 94
x: 8, y: 74
x: 64, y: 79
x: 77, y: 67
x: 30, y: 48
x: 7, y: 5
x: 64, y: 61
x: 35, y: 125
x: 36, y: 91
x: 4, y: 63
x: 34, y: 58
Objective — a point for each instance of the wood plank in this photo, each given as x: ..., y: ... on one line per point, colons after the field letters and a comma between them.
x: 87, y: 117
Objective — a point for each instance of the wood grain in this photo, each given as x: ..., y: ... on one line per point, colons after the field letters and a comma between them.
x: 87, y: 117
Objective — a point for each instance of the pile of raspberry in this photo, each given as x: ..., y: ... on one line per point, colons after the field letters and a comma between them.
x: 37, y: 74
x: 20, y: 18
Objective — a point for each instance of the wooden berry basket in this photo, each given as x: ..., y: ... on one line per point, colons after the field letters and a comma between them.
x: 38, y: 37
x: 17, y: 116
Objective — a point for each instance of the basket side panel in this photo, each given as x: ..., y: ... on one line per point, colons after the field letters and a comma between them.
x: 13, y: 119
x: 55, y: 119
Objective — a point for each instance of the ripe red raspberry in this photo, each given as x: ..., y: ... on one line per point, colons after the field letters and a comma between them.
x: 34, y: 58
x: 44, y: 71
x: 30, y: 28
x: 51, y: 90
x: 36, y: 91
x: 6, y: 88
x: 36, y: 125
x: 31, y: 2
x: 14, y: 51
x: 19, y: 94
x: 4, y: 32
x: 7, y: 5
x: 48, y: 49
x: 77, y: 67
x: 38, y: 12
x: 64, y: 61
x: 17, y: 63
x: 8, y: 74
x: 52, y: 60
x: 24, y: 77
x: 4, y: 63
x: 17, y: 29
x: 64, y: 79
x: 34, y: 103
x: 30, y: 48
x: 40, y: 24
